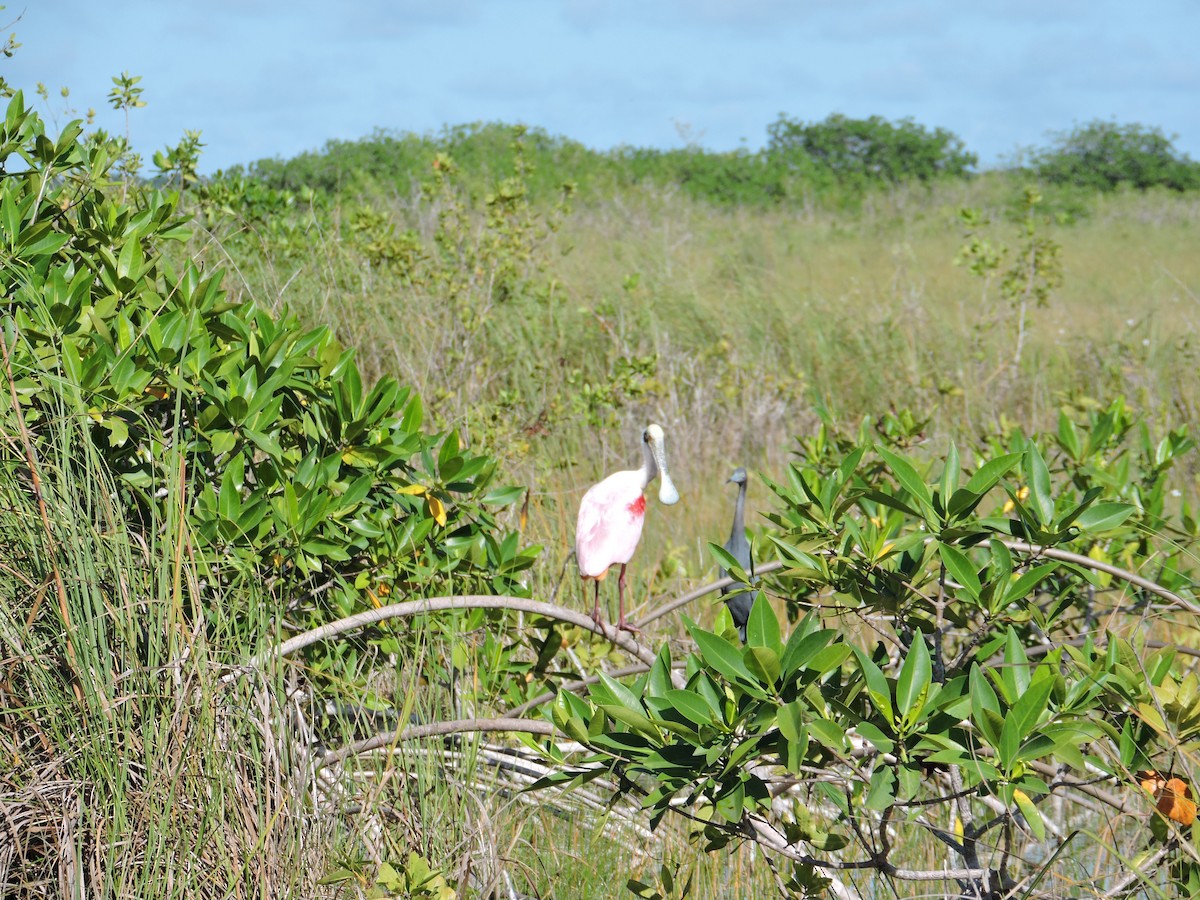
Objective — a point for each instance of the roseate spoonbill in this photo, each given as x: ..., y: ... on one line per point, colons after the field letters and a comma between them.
x: 611, y: 516
x: 739, y: 548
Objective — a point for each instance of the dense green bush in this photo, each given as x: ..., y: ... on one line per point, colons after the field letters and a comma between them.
x: 1105, y: 155
x: 739, y: 177
x: 862, y: 151
x: 396, y: 164
x: 293, y: 470
x: 800, y: 161
x: 945, y: 675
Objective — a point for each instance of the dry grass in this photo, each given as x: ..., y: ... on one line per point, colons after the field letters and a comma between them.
x: 131, y: 765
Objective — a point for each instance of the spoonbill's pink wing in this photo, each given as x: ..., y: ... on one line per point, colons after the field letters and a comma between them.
x: 610, y: 523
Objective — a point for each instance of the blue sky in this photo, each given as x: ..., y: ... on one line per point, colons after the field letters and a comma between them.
x: 263, y: 78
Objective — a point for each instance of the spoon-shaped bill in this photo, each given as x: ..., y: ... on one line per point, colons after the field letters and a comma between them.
x: 666, y: 489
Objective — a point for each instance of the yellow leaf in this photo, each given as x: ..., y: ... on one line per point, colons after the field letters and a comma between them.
x: 1097, y: 553
x: 412, y: 489
x: 436, y: 509
x: 374, y: 600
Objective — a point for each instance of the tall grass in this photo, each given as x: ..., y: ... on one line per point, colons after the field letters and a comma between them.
x: 753, y: 318
x: 137, y: 760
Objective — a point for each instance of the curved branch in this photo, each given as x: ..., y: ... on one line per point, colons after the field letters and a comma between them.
x: 701, y: 591
x: 436, y: 604
x: 1042, y: 649
x: 1124, y: 574
x: 1020, y: 546
x: 413, y: 732
x: 768, y: 836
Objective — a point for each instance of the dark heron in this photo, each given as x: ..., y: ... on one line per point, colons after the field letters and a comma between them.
x: 739, y: 548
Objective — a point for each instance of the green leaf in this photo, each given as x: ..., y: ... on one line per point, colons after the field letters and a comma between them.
x: 1039, y: 485
x: 871, y: 732
x: 1032, y: 703
x: 950, y: 473
x: 118, y: 431
x: 725, y: 658
x: 1031, y: 814
x: 985, y: 706
x: 990, y: 472
x: 907, y: 475
x: 265, y: 442
x: 1068, y: 437
x: 912, y: 685
x: 1014, y: 674
x: 1104, y: 516
x: 882, y: 792
x: 960, y: 569
x: 1018, y: 589
x: 726, y: 561
x: 636, y: 720
x: 503, y: 496
x: 612, y: 692
x: 40, y: 240
x: 802, y: 646
x: 222, y: 442
x: 790, y: 719
x: 131, y: 260
x: 762, y: 629
x: 877, y: 686
x: 829, y: 733
x: 690, y: 705
x: 827, y: 842
x: 730, y: 805
x: 763, y: 662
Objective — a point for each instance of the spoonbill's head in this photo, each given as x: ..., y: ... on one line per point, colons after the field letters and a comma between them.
x: 656, y: 448
x: 738, y: 476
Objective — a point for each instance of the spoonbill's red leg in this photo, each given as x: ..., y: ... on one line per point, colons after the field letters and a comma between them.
x: 621, y: 623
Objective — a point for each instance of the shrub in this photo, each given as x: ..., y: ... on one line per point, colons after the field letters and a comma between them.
x: 945, y: 675
x: 1104, y: 155
x: 861, y: 151
x: 291, y: 469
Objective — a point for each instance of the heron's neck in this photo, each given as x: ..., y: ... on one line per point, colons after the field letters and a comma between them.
x: 739, y: 511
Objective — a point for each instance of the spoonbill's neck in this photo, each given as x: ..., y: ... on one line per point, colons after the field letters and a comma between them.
x: 649, y: 466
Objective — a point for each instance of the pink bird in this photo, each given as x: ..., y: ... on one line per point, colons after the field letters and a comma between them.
x: 611, y: 516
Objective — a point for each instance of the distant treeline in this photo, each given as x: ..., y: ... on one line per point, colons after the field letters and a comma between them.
x: 801, y: 161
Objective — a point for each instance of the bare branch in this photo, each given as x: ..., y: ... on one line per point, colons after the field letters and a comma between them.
x: 436, y: 604
x: 1095, y: 564
x: 699, y: 592
x: 413, y: 732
